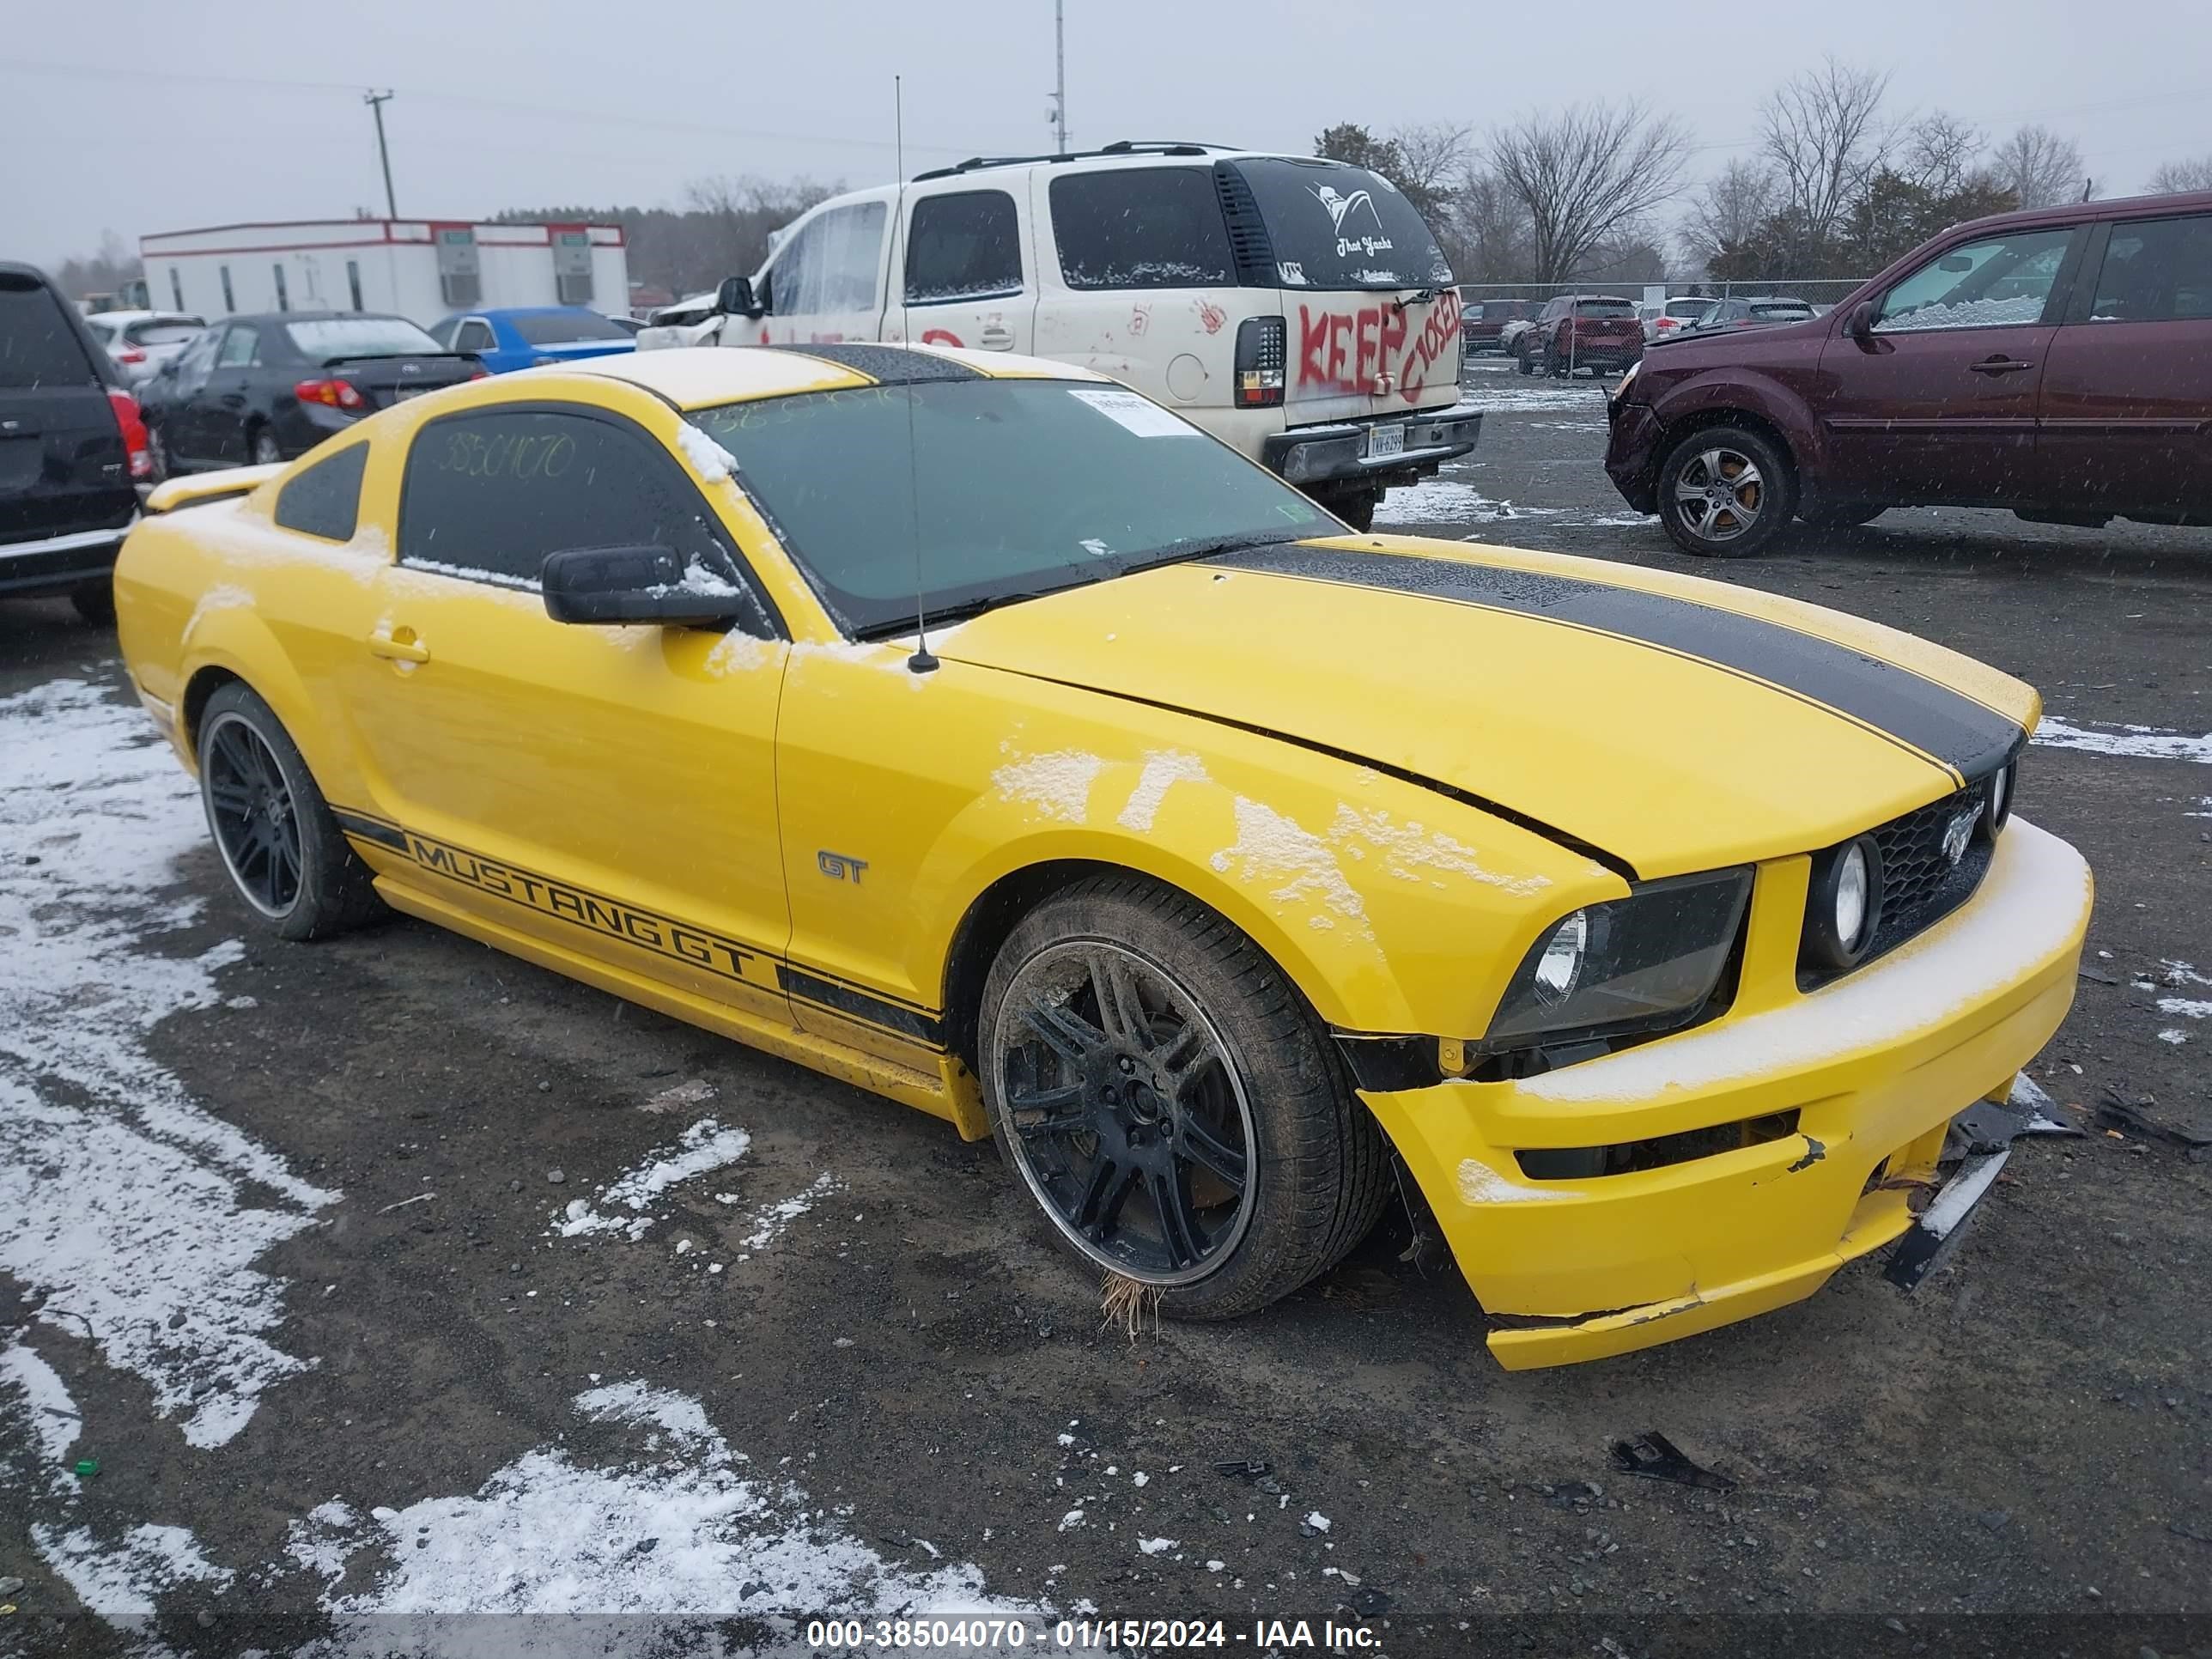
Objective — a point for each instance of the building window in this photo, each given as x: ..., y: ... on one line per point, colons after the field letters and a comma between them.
x: 229, y: 305
x: 353, y: 282
x: 284, y: 300
x: 176, y: 289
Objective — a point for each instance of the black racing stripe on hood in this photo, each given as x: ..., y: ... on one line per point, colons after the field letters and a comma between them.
x: 1892, y: 700
x: 888, y: 364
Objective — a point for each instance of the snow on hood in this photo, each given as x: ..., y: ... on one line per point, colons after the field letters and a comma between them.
x: 1667, y: 762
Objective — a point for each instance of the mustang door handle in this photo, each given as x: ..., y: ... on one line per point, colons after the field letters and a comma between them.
x: 997, y: 337
x: 400, y: 646
x: 1999, y: 366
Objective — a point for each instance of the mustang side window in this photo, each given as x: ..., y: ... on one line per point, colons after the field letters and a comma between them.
x: 966, y: 245
x: 325, y: 500
x: 2156, y: 271
x: 486, y: 497
x: 2001, y: 282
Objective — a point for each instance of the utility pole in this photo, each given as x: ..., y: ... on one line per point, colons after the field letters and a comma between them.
x: 376, y: 101
x: 1059, y: 76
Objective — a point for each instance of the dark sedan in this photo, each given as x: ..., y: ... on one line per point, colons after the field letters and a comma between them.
x: 254, y: 390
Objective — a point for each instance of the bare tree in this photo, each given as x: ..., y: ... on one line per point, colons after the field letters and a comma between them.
x: 1938, y: 151
x: 1727, y: 211
x: 104, y: 272
x: 1825, y: 135
x: 2175, y: 176
x: 1586, y: 174
x: 2039, y: 168
x: 1494, y: 239
x: 1432, y: 161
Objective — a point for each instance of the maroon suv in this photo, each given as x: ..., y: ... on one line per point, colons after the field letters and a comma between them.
x: 2057, y: 362
x: 1602, y: 333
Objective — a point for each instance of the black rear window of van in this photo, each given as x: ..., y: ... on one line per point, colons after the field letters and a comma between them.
x: 1141, y: 227
x: 1338, y: 227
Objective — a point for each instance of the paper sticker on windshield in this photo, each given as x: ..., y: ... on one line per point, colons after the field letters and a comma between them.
x: 1128, y: 411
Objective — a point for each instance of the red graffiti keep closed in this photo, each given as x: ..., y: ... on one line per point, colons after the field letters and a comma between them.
x: 1351, y: 351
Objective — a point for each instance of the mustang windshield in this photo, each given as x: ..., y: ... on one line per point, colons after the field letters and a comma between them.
x: 1017, y: 487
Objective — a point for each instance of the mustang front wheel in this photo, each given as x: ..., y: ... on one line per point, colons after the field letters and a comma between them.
x: 1170, y: 1102
x: 281, y: 848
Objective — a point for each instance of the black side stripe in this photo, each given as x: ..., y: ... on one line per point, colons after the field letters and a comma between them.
x: 662, y: 935
x: 1891, y: 701
x: 382, y: 831
x: 863, y: 1005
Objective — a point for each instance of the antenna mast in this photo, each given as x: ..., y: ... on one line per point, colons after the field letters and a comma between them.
x: 921, y: 662
x: 1059, y: 76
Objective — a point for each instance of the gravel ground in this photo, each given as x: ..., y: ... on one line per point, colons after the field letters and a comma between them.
x: 349, y: 1266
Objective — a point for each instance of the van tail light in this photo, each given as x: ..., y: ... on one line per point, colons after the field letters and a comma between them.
x: 1262, y: 349
x: 133, y: 427
x: 334, y: 393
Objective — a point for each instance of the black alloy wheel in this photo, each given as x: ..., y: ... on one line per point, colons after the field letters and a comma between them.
x: 252, y: 811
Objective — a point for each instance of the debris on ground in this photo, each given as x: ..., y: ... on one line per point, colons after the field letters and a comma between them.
x: 1653, y: 1456
x: 2145, y: 1121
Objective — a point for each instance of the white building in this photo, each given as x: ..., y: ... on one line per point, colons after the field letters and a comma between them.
x: 422, y: 269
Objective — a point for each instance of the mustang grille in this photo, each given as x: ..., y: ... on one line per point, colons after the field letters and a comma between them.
x: 1920, y: 885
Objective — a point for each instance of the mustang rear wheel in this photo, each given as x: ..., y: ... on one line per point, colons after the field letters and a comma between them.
x: 280, y: 846
x: 1170, y: 1102
x: 1725, y: 492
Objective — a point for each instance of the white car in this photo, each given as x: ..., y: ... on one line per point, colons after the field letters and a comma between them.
x: 1297, y: 309
x: 1666, y: 321
x: 140, y: 342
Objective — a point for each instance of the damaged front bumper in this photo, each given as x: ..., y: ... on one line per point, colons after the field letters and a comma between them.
x: 1867, y: 1074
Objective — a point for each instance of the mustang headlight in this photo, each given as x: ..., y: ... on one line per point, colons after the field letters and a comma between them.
x: 1642, y: 963
x: 1842, y: 906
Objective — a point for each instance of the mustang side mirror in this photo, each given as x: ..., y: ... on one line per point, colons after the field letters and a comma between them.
x: 1860, y: 323
x: 610, y: 586
x: 734, y: 298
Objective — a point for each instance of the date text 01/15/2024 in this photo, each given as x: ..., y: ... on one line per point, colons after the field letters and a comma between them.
x: 998, y: 1635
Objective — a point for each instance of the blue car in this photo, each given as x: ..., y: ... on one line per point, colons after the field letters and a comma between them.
x: 524, y: 336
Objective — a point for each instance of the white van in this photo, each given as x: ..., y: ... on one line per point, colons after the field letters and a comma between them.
x: 1299, y: 309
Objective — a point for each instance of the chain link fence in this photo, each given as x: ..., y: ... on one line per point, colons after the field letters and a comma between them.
x: 1815, y: 290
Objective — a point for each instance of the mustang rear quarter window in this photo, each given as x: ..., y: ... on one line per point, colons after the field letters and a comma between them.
x: 325, y: 500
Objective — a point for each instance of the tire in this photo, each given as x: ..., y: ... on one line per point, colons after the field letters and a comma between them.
x: 262, y: 444
x: 1526, y: 363
x: 1355, y: 507
x: 274, y: 832
x: 94, y: 602
x: 1716, y: 513
x: 1251, y: 1087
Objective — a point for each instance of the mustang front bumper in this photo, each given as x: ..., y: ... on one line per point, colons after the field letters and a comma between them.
x: 1874, y: 1066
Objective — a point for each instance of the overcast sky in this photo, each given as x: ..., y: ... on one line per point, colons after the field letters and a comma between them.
x: 142, y: 117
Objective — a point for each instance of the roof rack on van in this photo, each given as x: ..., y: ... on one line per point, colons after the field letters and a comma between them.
x: 1124, y: 147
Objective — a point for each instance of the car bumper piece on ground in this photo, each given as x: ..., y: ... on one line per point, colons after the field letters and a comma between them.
x: 1868, y: 1073
x: 1344, y: 450
x: 55, y: 564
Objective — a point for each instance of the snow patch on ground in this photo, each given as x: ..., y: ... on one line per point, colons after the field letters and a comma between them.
x: 1539, y: 399
x: 122, y: 1199
x: 1164, y: 769
x: 770, y: 1220
x: 41, y: 1398
x: 2184, y: 1006
x: 2035, y: 897
x: 704, y: 1147
x: 1272, y: 848
x: 673, y: 1524
x: 1441, y: 501
x: 120, y: 1580
x: 709, y: 458
x: 1057, y: 785
x: 2134, y: 742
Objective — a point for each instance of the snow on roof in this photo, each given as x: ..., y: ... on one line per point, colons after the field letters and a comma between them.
x: 699, y: 377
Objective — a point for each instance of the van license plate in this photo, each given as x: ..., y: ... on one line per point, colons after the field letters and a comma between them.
x: 1384, y: 441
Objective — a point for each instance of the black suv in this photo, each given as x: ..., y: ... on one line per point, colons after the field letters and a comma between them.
x: 72, y: 450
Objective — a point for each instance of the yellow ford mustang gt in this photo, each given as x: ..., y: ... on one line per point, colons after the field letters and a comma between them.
x: 1210, y: 856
